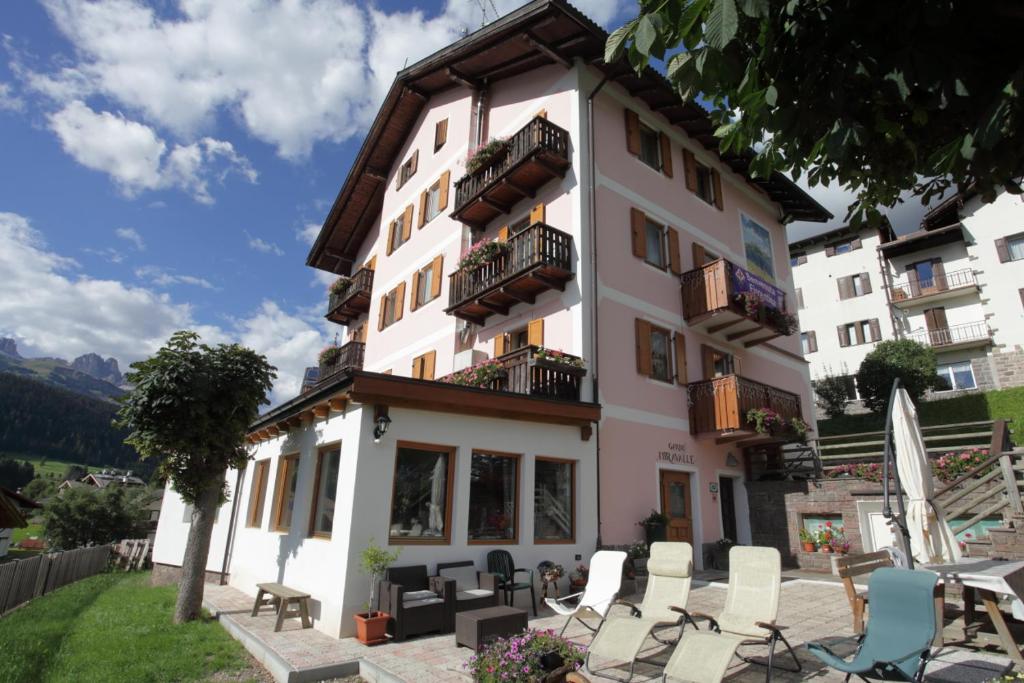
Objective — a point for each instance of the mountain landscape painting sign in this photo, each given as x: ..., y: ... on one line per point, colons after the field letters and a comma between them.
x: 757, y: 243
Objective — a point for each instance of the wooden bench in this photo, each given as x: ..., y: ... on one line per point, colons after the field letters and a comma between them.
x: 283, y: 598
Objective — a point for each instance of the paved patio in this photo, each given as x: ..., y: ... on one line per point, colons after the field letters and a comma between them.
x: 813, y: 610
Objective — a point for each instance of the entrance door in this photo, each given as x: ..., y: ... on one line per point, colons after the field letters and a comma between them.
x: 938, y: 328
x: 727, y: 499
x: 675, y: 503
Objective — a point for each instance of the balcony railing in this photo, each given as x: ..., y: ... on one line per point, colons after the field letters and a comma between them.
x: 954, y: 335
x: 732, y: 302
x: 536, y: 154
x: 350, y: 357
x: 537, y: 259
x: 354, y: 301
x: 719, y: 406
x: 527, y: 373
x: 907, y: 289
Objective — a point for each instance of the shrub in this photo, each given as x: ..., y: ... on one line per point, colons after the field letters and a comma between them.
x: 519, y: 658
x: 912, y: 362
x: 831, y: 395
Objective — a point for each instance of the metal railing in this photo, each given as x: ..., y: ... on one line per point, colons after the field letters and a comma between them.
x: 350, y: 357
x: 905, y: 288
x: 954, y: 334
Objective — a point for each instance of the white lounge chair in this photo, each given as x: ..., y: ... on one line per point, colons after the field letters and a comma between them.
x: 700, y: 657
x: 603, y: 585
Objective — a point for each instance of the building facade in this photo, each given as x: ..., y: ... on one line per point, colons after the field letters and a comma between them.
x: 561, y: 305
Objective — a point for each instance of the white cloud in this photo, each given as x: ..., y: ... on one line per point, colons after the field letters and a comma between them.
x: 53, y: 309
x: 263, y: 246
x: 137, y: 159
x: 163, y: 278
x: 8, y: 100
x: 132, y: 235
x: 308, y: 233
x: 108, y: 254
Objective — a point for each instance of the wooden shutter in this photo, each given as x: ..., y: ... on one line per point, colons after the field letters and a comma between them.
x: 845, y: 287
x: 423, y: 210
x: 939, y: 275
x: 372, y: 264
x: 680, y: 344
x: 799, y: 298
x: 801, y: 259
x: 435, y: 281
x: 391, y: 238
x: 675, y: 263
x: 707, y: 361
x: 407, y: 223
x: 503, y: 234
x: 399, y: 300
x: 537, y: 214
x: 690, y: 170
x: 666, y: 154
x: 632, y: 132
x: 442, y: 195
x: 876, y: 329
x: 844, y: 335
x: 415, y: 162
x: 499, y: 345
x: 858, y: 331
x: 415, y: 288
x: 440, y: 134
x: 1002, y: 250
x: 643, y: 347
x: 812, y: 342
x: 417, y: 367
x: 429, y: 359
x: 380, y: 312
x: 535, y: 332
x: 935, y: 319
x: 1021, y: 292
x: 638, y: 228
x: 542, y: 114
x: 699, y: 255
x: 855, y: 243
x: 830, y: 250
x: 915, y: 285
x: 716, y: 181
x: 865, y: 282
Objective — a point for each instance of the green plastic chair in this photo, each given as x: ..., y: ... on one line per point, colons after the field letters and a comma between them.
x: 897, y: 640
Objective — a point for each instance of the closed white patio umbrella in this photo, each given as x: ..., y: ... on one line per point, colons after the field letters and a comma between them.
x: 931, y: 539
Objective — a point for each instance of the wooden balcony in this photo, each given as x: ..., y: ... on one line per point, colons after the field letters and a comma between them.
x: 719, y: 407
x: 350, y: 358
x: 906, y: 292
x: 963, y: 336
x: 537, y: 259
x: 536, y: 154
x: 345, y: 307
x: 715, y: 301
x: 525, y: 373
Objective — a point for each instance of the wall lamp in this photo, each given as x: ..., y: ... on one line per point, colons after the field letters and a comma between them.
x: 381, y: 423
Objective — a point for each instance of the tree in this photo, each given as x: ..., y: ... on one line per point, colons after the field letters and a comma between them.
x: 14, y: 473
x: 912, y: 362
x: 75, y: 473
x: 39, y: 488
x: 831, y: 394
x: 877, y: 97
x: 191, y: 407
x: 89, y: 516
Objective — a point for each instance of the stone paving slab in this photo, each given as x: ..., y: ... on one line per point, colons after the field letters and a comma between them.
x: 812, y: 610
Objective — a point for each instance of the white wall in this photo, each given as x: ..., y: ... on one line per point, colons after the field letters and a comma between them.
x: 173, y: 527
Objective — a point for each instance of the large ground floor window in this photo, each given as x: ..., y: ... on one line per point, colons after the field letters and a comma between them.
x: 493, y: 497
x: 956, y: 376
x: 421, y: 502
x: 287, y: 476
x: 554, y: 502
x: 325, y: 490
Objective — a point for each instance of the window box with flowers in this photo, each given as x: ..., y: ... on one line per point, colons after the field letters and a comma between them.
x: 768, y: 422
x: 491, y: 152
x: 482, y: 253
x: 868, y: 471
x: 483, y: 375
x: 951, y: 466
x: 559, y: 360
x: 340, y: 287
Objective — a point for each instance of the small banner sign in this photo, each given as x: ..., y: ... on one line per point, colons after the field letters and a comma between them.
x: 743, y: 281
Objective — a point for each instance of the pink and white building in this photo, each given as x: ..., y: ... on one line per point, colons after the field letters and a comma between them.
x: 630, y: 302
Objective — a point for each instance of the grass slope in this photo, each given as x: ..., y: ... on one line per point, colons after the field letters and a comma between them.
x: 52, y: 467
x: 114, y: 627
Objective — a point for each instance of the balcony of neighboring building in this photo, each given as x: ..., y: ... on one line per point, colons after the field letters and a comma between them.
x: 721, y: 408
x: 516, y: 168
x: 955, y: 337
x: 350, y: 297
x: 936, y: 285
x: 341, y: 359
x: 501, y: 274
x: 731, y: 303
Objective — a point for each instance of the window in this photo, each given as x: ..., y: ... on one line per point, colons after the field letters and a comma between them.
x: 858, y: 285
x: 408, y: 169
x: 518, y: 339
x: 284, y: 496
x: 799, y: 298
x: 655, y: 242
x: 423, y: 366
x: 851, y: 286
x: 843, y: 247
x: 925, y: 273
x: 865, y: 331
x: 421, y: 500
x: 798, y: 258
x: 654, y: 234
x: 705, y: 183
x: 434, y: 200
x: 325, y: 490
x: 717, y: 363
x: 956, y: 376
x: 757, y: 245
x: 650, y: 147
x: 1010, y: 248
x: 426, y: 283
x: 400, y: 230
x: 440, y: 134
x: 531, y: 334
x: 654, y: 349
x: 859, y: 332
x: 703, y: 180
x: 493, y: 497
x: 661, y: 354
x: 391, y: 306
x: 805, y: 342
x: 257, y: 493
x: 554, y: 500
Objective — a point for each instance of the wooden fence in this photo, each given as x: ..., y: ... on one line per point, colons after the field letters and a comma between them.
x: 23, y: 580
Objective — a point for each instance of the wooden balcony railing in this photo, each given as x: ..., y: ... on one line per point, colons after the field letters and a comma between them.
x: 537, y: 153
x: 908, y: 289
x: 719, y: 406
x: 349, y: 358
x: 354, y: 301
x: 726, y: 299
x: 954, y: 335
x: 537, y: 259
x: 526, y: 373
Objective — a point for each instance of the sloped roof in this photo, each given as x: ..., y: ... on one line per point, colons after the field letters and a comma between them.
x: 537, y: 34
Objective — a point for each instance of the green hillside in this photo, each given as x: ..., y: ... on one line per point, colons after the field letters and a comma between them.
x: 57, y: 372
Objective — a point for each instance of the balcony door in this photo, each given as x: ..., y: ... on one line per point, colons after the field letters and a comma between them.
x: 938, y: 328
x: 676, y: 504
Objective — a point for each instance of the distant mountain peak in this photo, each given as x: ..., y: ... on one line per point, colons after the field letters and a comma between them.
x: 9, y: 347
x: 92, y: 364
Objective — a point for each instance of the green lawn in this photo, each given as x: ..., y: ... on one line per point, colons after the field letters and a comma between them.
x: 114, y: 627
x: 55, y: 468
x: 28, y: 532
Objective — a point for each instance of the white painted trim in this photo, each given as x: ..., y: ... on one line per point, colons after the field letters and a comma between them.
x: 628, y: 414
x: 695, y: 489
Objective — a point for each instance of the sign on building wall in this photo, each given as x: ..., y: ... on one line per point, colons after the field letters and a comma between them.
x: 757, y: 243
x: 744, y: 281
x: 676, y: 455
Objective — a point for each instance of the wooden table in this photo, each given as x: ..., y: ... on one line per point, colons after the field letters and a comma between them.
x: 283, y: 598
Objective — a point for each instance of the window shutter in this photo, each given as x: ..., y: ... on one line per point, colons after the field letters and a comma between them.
x: 435, y: 280
x: 637, y: 226
x: 415, y: 288
x: 876, y: 330
x: 830, y: 250
x: 632, y: 132
x: 1002, y: 250
x: 542, y: 114
x: 844, y: 335
x: 537, y: 214
x: 865, y: 282
x: 503, y: 234
x: 407, y: 223
x: 499, y: 345
x: 716, y: 180
x: 855, y: 243
x: 799, y: 298
x: 666, y: 155
x: 643, y: 347
x: 675, y: 263
x: 427, y: 365
x: 372, y: 264
x: 380, y: 312
x: 699, y: 256
x: 535, y: 332
x: 801, y: 259
x: 915, y: 285
x: 680, y: 343
x: 417, y: 367
x: 442, y: 195
x: 1021, y: 292
x: 812, y: 341
x: 858, y: 331
x: 939, y: 275
x: 707, y: 361
x: 415, y: 163
x: 845, y: 288
x: 391, y: 238
x: 690, y: 170
x: 440, y: 134
x: 423, y: 210
x: 399, y: 300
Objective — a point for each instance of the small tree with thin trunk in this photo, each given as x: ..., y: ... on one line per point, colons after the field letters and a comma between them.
x: 191, y: 407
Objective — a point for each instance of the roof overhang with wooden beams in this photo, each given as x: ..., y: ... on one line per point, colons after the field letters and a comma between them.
x: 884, y: 231
x: 371, y: 388
x: 923, y: 239
x: 540, y: 33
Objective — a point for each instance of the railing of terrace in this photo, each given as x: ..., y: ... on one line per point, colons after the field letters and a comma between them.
x: 528, y: 372
x: 954, y: 334
x: 906, y: 288
x: 350, y: 357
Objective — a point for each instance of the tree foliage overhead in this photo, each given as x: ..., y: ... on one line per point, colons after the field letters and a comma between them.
x: 911, y: 361
x: 878, y: 97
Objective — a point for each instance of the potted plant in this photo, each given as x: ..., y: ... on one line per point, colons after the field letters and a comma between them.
x: 328, y: 356
x: 720, y: 553
x: 807, y: 540
x: 764, y: 420
x: 483, y: 252
x: 531, y: 656
x: 486, y: 154
x: 579, y: 576
x: 825, y: 537
x: 655, y: 526
x: 638, y: 552
x: 558, y: 360
x: 372, y: 625
x: 340, y: 286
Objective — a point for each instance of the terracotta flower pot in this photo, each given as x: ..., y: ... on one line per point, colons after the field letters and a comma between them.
x: 372, y: 627
x: 808, y: 547
x: 826, y: 549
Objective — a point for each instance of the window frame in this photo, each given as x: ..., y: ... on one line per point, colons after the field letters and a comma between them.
x: 705, y: 178
x: 434, y: 191
x: 644, y: 129
x: 517, y: 458
x: 669, y: 378
x: 260, y: 479
x: 805, y: 343
x: 1011, y: 240
x: 314, y: 503
x: 405, y: 171
x: 283, y: 471
x: 572, y: 493
x: 446, y: 539
x: 424, y: 283
x: 397, y: 229
x: 662, y: 243
x: 390, y: 306
x: 950, y: 377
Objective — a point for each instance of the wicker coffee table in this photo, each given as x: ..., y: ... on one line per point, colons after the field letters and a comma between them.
x: 475, y: 628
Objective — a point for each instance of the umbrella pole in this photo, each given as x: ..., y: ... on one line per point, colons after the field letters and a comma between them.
x: 889, y: 456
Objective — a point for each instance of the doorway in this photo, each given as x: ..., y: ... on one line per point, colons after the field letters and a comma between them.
x: 676, y: 505
x: 727, y: 501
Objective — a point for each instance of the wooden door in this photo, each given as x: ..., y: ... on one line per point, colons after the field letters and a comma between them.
x: 676, y: 504
x: 938, y: 327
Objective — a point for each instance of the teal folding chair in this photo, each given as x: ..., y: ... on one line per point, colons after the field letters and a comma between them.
x: 897, y: 640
